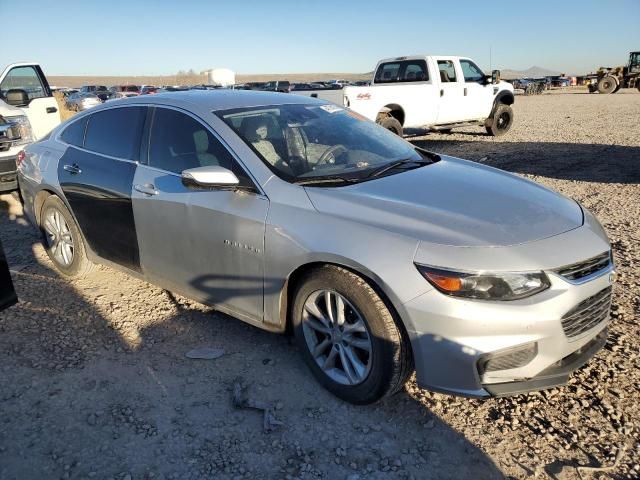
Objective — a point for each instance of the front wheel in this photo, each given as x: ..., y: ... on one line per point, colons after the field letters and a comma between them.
x: 348, y: 336
x: 500, y: 122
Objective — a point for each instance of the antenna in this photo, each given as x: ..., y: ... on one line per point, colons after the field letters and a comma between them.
x: 490, y: 59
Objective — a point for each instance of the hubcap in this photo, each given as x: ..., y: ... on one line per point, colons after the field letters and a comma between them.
x: 503, y: 120
x: 59, y: 239
x: 337, y: 337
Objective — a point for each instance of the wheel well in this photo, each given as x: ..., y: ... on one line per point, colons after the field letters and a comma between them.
x: 294, y: 278
x: 393, y: 110
x: 507, y: 99
x: 41, y: 197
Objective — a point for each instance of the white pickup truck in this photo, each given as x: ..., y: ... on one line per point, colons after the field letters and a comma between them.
x: 438, y: 93
x: 28, y: 112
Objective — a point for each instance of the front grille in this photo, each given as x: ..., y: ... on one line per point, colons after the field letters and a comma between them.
x: 8, y: 165
x: 506, y: 360
x: 587, y: 314
x: 579, y: 270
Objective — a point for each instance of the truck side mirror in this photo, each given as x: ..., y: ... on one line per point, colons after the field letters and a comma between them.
x: 495, y: 76
x: 17, y: 97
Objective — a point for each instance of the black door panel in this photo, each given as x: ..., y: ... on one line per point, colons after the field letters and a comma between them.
x: 98, y: 189
x: 7, y: 293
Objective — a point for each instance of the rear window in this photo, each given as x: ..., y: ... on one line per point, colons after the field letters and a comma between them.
x: 116, y: 132
x: 74, y: 133
x: 402, y: 71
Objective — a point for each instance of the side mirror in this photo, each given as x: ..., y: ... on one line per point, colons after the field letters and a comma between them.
x: 17, y: 97
x: 495, y: 76
x: 211, y: 176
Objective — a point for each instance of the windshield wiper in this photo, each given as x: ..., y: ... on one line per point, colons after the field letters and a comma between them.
x: 390, y: 166
x: 321, y: 180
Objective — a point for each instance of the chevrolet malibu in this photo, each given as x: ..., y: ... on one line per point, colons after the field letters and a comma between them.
x: 293, y: 214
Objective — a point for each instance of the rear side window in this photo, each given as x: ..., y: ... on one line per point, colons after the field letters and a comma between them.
x: 179, y: 142
x: 74, y: 133
x: 404, y: 71
x: 116, y: 132
x: 447, y: 71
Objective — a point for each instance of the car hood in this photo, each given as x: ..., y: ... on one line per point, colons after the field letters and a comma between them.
x: 453, y: 202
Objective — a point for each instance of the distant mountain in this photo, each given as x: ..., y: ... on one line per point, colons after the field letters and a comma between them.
x: 533, y: 72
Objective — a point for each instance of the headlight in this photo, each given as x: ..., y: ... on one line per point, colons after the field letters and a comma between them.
x: 21, y: 129
x: 486, y: 286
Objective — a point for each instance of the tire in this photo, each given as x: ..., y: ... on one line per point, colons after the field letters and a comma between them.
x: 392, y: 124
x: 501, y: 121
x: 367, y: 323
x: 69, y: 256
x: 607, y: 84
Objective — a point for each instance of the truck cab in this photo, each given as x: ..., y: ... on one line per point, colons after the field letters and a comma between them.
x: 28, y: 111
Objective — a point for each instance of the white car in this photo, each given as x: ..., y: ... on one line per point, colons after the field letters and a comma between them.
x: 439, y: 93
x: 28, y: 112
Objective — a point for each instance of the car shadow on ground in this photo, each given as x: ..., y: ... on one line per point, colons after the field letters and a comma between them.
x: 565, y: 161
x: 96, y: 383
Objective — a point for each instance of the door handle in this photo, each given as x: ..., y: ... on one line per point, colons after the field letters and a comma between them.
x: 146, y: 189
x: 52, y: 109
x: 465, y: 92
x: 72, y: 169
x: 442, y: 92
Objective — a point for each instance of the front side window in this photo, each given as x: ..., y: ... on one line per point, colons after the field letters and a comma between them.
x: 178, y: 142
x: 303, y: 142
x: 471, y: 72
x: 23, y: 78
x: 447, y: 71
x: 116, y: 132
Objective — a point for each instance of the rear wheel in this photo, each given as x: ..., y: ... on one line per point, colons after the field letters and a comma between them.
x: 348, y: 336
x: 607, y: 84
x: 392, y: 124
x: 62, y: 239
x: 501, y: 121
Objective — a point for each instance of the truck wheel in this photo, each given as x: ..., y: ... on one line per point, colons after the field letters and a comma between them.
x: 348, y: 336
x: 62, y: 239
x: 392, y: 124
x: 607, y: 84
x: 501, y: 121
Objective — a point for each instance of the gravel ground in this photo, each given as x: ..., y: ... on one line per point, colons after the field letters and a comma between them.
x: 95, y: 381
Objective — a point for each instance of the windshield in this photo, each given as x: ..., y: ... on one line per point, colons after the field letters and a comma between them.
x: 306, y: 142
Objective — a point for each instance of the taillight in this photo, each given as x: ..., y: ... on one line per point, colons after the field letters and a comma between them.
x: 21, y: 156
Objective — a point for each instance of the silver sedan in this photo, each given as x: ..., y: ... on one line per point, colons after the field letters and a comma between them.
x: 81, y: 101
x: 292, y: 214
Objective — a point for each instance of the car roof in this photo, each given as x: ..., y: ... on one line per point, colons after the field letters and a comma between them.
x: 221, y: 99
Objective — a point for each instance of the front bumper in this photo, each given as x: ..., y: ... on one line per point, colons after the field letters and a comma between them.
x: 8, y: 172
x: 453, y: 339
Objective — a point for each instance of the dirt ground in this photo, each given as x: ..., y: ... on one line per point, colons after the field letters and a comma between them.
x: 95, y: 383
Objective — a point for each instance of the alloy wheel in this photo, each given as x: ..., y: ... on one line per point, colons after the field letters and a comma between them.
x: 59, y: 238
x: 337, y: 337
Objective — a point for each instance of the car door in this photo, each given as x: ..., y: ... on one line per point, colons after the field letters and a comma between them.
x: 96, y: 176
x: 452, y: 108
x: 477, y: 91
x: 207, y: 243
x: 39, y: 105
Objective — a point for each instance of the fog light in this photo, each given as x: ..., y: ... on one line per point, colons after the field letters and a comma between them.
x: 507, y: 359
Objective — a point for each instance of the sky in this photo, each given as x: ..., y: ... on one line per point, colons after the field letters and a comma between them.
x: 114, y: 37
